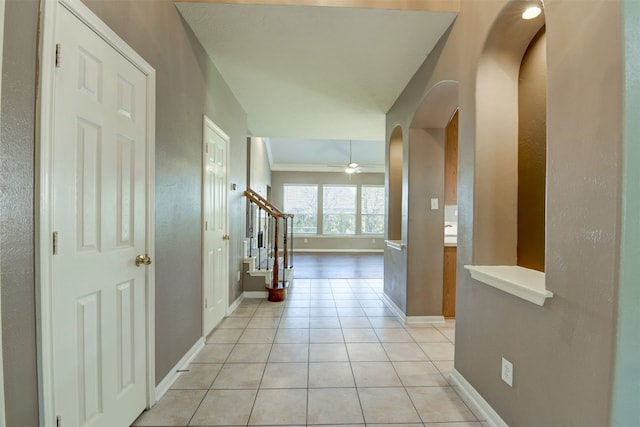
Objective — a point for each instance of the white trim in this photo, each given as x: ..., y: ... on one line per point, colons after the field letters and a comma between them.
x: 208, y: 123
x: 44, y: 136
x: 424, y: 320
x: 2, y: 403
x: 355, y: 251
x: 473, y: 399
x: 518, y: 281
x: 173, y: 374
x: 395, y: 244
x: 410, y: 320
x: 393, y: 307
x: 235, y: 304
x: 255, y: 294
x: 151, y: 233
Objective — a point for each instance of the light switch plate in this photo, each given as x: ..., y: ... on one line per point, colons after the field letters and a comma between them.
x: 434, y: 204
x: 507, y: 372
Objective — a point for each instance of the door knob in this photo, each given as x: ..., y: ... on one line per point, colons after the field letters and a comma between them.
x: 226, y: 237
x: 146, y: 260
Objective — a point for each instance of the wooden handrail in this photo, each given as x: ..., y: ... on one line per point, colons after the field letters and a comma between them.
x: 265, y: 204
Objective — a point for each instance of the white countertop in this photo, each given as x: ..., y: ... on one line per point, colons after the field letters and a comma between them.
x: 450, y: 233
x: 451, y: 241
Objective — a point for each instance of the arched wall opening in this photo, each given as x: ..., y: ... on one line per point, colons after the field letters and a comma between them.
x: 510, y: 154
x: 496, y: 193
x: 425, y: 187
x: 396, y: 159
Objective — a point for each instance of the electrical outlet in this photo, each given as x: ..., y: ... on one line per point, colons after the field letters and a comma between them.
x: 238, y: 276
x: 507, y: 372
x: 434, y: 204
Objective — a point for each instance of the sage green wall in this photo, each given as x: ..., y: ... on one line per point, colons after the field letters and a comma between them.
x: 17, y: 212
x: 188, y: 86
x: 563, y: 352
x: 327, y: 243
x: 626, y: 386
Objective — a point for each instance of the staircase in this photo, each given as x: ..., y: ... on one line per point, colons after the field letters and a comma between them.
x: 266, y: 267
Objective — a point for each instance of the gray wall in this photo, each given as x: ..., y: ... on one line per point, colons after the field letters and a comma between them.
x: 327, y: 243
x: 258, y: 166
x: 425, y: 227
x: 16, y: 212
x: 188, y: 86
x: 563, y: 352
x: 422, y: 178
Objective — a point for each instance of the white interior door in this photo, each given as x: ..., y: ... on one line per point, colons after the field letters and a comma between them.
x: 215, y: 280
x: 98, y: 193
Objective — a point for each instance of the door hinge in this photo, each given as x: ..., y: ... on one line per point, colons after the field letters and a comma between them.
x: 58, y: 421
x: 58, y: 55
x: 55, y: 243
x: 206, y: 225
x: 206, y: 303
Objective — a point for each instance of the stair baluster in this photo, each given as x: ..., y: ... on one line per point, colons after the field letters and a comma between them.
x: 259, y: 242
x: 291, y: 244
x: 269, y: 239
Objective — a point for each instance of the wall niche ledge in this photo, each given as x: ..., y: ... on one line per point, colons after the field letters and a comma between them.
x: 518, y: 281
x: 395, y: 244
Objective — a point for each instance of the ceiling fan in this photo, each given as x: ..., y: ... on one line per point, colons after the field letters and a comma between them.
x: 351, y: 167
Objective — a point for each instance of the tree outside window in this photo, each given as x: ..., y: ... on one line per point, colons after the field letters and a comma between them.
x: 372, y: 209
x: 302, y: 202
x: 339, y: 209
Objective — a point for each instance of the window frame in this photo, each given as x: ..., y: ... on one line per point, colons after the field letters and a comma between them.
x: 355, y: 187
x: 363, y: 215
x: 297, y: 214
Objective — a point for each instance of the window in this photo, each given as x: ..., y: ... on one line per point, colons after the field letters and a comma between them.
x: 372, y: 215
x: 339, y: 209
x: 302, y: 202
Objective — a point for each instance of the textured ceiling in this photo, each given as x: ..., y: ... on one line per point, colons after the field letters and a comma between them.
x: 306, y: 73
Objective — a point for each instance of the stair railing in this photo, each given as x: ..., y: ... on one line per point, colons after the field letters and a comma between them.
x: 269, y: 235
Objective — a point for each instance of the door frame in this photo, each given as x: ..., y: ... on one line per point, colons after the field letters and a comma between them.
x: 207, y: 122
x: 44, y: 208
x: 2, y: 408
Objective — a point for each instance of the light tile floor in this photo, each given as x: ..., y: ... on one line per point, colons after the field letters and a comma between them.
x: 331, y: 354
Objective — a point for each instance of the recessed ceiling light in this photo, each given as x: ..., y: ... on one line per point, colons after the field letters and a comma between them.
x: 531, y: 12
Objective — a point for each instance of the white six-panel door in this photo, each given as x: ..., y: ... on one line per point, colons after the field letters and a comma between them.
x: 98, y: 221
x: 215, y: 237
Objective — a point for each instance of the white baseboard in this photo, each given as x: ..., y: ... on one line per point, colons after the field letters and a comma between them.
x: 411, y: 320
x: 394, y: 308
x: 235, y: 304
x: 255, y: 294
x: 172, y: 376
x: 475, y: 400
x: 424, y: 320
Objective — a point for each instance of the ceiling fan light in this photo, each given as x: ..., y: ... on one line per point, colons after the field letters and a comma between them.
x: 349, y: 170
x: 352, y: 165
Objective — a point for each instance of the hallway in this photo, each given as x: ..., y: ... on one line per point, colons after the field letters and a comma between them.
x: 331, y: 354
